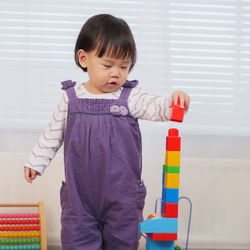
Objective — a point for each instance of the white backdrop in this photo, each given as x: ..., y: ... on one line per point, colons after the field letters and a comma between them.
x: 201, y: 47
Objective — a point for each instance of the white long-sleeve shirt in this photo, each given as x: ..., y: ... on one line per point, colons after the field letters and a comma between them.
x: 142, y: 105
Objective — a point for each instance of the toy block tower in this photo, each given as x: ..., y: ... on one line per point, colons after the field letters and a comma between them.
x: 162, y: 231
x: 171, y: 177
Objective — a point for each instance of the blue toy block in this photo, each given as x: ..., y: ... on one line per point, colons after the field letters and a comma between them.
x: 159, y: 245
x: 162, y: 207
x: 159, y: 225
x: 170, y: 195
x: 163, y: 179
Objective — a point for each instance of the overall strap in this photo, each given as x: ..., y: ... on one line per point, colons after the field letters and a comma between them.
x: 68, y: 86
x: 127, y: 87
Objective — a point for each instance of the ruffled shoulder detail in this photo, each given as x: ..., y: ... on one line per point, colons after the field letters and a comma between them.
x: 130, y: 84
x: 67, y: 84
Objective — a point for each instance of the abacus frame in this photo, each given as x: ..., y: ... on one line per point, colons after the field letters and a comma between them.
x: 41, y: 212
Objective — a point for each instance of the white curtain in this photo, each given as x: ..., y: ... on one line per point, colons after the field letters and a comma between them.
x: 201, y: 47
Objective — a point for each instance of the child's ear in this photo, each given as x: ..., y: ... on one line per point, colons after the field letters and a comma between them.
x: 82, y: 58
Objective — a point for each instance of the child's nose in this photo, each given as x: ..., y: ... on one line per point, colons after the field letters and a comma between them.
x: 115, y: 72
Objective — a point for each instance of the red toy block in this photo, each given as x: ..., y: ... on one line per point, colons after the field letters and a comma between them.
x: 162, y: 236
x: 170, y: 210
x: 177, y: 113
x: 173, y: 132
x: 173, y: 143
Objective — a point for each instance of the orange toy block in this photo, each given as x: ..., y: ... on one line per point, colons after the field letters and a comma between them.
x: 153, y: 216
x: 171, y: 180
x: 170, y: 210
x: 173, y: 158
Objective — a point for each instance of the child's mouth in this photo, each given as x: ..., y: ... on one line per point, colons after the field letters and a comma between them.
x: 113, y: 83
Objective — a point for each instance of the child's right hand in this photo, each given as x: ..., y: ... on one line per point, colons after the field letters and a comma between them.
x: 30, y: 174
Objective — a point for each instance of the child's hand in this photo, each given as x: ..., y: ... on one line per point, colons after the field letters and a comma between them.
x: 184, y: 100
x: 30, y: 174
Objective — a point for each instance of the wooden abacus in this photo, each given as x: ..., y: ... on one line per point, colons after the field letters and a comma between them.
x: 23, y: 231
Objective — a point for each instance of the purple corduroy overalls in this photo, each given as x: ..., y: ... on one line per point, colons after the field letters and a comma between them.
x: 103, y: 196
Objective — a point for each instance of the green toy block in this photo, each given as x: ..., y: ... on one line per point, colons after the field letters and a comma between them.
x: 171, y: 169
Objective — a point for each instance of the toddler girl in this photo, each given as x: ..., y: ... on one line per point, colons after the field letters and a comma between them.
x: 103, y: 195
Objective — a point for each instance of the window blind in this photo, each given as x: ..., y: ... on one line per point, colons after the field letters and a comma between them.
x: 209, y: 46
x: 200, y: 47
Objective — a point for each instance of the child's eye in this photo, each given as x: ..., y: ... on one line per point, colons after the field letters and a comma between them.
x: 107, y: 66
x: 124, y: 67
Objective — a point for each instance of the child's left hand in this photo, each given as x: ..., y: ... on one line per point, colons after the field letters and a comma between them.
x: 183, y: 97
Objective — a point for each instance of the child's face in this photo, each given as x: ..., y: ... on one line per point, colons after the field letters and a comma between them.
x: 106, y: 74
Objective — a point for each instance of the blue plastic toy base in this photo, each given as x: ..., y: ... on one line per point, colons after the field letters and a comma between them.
x: 159, y: 225
x: 159, y: 245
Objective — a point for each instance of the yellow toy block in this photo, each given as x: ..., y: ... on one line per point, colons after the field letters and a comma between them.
x: 172, y: 180
x: 173, y: 158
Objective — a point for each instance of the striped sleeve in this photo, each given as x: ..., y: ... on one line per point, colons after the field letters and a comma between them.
x: 146, y: 106
x: 51, y: 139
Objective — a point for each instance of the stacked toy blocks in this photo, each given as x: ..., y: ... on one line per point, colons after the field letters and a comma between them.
x: 171, y: 177
x: 162, y: 231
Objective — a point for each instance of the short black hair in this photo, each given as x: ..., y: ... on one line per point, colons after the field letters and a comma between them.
x: 109, y: 35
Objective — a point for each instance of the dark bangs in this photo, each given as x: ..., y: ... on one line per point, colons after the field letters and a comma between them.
x: 110, y: 36
x: 117, y: 42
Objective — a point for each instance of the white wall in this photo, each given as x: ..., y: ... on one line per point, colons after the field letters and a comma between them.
x: 215, y: 174
x: 203, y: 43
